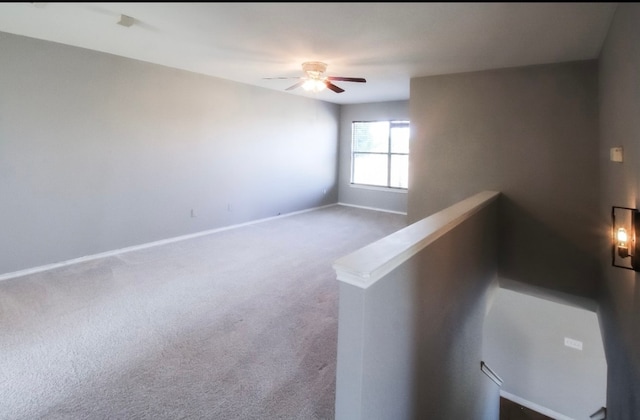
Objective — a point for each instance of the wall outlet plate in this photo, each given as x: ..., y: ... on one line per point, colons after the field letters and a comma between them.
x: 574, y: 344
x: 616, y: 154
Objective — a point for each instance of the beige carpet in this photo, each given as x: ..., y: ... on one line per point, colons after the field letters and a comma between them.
x: 240, y: 324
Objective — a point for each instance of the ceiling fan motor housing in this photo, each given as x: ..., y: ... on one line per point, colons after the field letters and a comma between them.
x: 314, y: 69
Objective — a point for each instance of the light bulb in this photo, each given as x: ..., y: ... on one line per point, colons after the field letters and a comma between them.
x: 314, y: 85
x: 622, y: 236
x: 623, y: 239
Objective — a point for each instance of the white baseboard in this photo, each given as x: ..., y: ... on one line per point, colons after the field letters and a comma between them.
x: 535, y: 407
x: 372, y: 208
x: 47, y: 267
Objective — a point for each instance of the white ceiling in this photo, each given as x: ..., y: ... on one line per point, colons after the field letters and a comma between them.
x: 386, y: 43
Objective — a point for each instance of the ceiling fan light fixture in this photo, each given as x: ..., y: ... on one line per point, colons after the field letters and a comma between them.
x: 314, y: 85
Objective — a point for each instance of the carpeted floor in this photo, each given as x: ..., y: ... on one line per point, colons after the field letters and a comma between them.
x: 239, y: 324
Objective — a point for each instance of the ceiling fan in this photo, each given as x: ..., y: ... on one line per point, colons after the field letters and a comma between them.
x: 315, y: 80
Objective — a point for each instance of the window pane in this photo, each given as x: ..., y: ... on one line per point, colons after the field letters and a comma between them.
x: 399, y: 171
x: 371, y: 136
x: 400, y: 139
x: 370, y: 169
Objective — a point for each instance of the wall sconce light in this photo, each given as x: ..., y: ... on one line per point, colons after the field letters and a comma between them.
x: 625, y: 232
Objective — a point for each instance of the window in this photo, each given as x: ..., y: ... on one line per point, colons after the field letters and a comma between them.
x: 380, y: 153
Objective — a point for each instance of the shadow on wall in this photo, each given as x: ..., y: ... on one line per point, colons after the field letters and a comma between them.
x: 530, y: 252
x: 623, y: 384
x: 449, y: 305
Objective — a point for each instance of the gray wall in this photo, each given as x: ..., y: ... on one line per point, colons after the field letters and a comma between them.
x: 524, y: 343
x: 360, y: 196
x: 410, y: 345
x: 99, y: 152
x: 620, y: 126
x: 530, y: 133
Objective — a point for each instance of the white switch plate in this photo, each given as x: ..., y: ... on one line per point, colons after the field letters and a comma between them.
x: 574, y: 344
x: 616, y: 154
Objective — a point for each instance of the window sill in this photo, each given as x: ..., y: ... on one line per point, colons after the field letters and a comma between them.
x: 376, y: 188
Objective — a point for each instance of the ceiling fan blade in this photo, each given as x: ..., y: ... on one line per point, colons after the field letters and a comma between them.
x: 278, y: 78
x: 297, y: 85
x: 333, y: 87
x: 347, y: 79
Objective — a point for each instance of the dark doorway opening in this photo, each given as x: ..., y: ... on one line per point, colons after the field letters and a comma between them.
x: 510, y: 410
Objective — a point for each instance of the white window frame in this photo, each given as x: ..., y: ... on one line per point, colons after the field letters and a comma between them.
x: 388, y: 154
